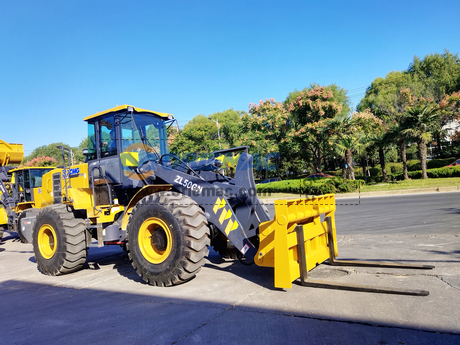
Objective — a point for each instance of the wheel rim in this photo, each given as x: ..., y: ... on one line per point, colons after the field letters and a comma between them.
x: 155, y: 240
x: 47, y: 241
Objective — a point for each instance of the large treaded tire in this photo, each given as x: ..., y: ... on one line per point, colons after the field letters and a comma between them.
x: 65, y: 252
x: 1, y: 234
x: 180, y: 253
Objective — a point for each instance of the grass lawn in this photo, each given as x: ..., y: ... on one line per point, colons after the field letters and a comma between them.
x: 377, y: 187
x: 413, y: 184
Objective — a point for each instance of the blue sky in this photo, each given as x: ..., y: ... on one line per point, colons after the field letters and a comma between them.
x: 63, y: 60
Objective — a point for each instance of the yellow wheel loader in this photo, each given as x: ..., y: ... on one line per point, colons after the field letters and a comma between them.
x: 9, y: 154
x: 18, y: 204
x: 132, y: 192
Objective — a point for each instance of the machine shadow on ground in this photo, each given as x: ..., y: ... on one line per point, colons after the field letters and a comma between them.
x: 40, y: 313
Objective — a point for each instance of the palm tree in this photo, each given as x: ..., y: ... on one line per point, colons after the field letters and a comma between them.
x: 419, y: 122
x: 395, y: 135
x: 379, y: 142
x: 347, y: 141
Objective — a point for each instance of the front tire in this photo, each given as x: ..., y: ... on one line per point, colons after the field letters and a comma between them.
x: 168, y: 236
x: 59, y: 241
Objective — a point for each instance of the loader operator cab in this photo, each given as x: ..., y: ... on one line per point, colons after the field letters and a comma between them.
x: 24, y: 180
x: 123, y: 139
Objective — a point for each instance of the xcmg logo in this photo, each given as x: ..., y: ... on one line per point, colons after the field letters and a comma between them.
x: 71, y: 172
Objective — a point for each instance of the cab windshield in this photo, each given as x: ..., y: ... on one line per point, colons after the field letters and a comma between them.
x: 143, y: 129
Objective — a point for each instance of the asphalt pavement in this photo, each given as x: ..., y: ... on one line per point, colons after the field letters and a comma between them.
x: 230, y: 303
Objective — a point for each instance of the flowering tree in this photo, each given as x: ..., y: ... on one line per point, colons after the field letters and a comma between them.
x: 450, y: 111
x: 42, y: 161
x: 264, y: 129
x: 312, y: 114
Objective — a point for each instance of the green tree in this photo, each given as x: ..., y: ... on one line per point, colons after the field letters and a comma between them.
x: 204, y: 134
x: 353, y: 135
x: 419, y: 121
x: 52, y: 151
x: 346, y: 140
x: 382, y: 95
x: 383, y: 98
x: 229, y: 122
x: 439, y: 73
x: 369, y: 127
x: 199, y: 136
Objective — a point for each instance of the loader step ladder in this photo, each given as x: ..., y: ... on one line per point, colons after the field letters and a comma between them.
x: 305, y: 281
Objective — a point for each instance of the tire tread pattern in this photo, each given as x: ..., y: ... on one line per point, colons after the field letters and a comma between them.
x: 73, y: 257
x: 195, y: 232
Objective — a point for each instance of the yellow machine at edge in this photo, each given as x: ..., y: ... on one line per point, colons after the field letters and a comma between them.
x: 18, y: 203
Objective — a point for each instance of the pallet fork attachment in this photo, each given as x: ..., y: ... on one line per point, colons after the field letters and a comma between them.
x: 304, y: 281
x: 296, y: 241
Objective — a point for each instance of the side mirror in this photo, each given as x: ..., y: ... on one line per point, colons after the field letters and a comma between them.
x: 85, y: 152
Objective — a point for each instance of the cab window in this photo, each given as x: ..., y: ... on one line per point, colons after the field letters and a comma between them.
x: 92, y: 154
x: 107, y: 138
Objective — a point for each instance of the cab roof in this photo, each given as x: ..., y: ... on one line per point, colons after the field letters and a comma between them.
x: 125, y: 108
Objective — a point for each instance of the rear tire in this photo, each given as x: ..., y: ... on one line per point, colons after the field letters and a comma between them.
x: 59, y: 241
x: 168, y: 236
x: 1, y: 233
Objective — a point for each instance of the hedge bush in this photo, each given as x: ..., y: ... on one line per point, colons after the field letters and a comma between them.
x: 311, y: 186
x: 413, y: 165
x: 440, y: 163
x: 432, y: 173
x: 395, y: 169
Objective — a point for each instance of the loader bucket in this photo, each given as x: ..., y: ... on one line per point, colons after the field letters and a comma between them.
x: 279, y: 238
x: 10, y: 153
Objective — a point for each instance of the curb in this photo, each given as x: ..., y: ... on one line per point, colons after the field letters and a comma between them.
x: 382, y: 193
